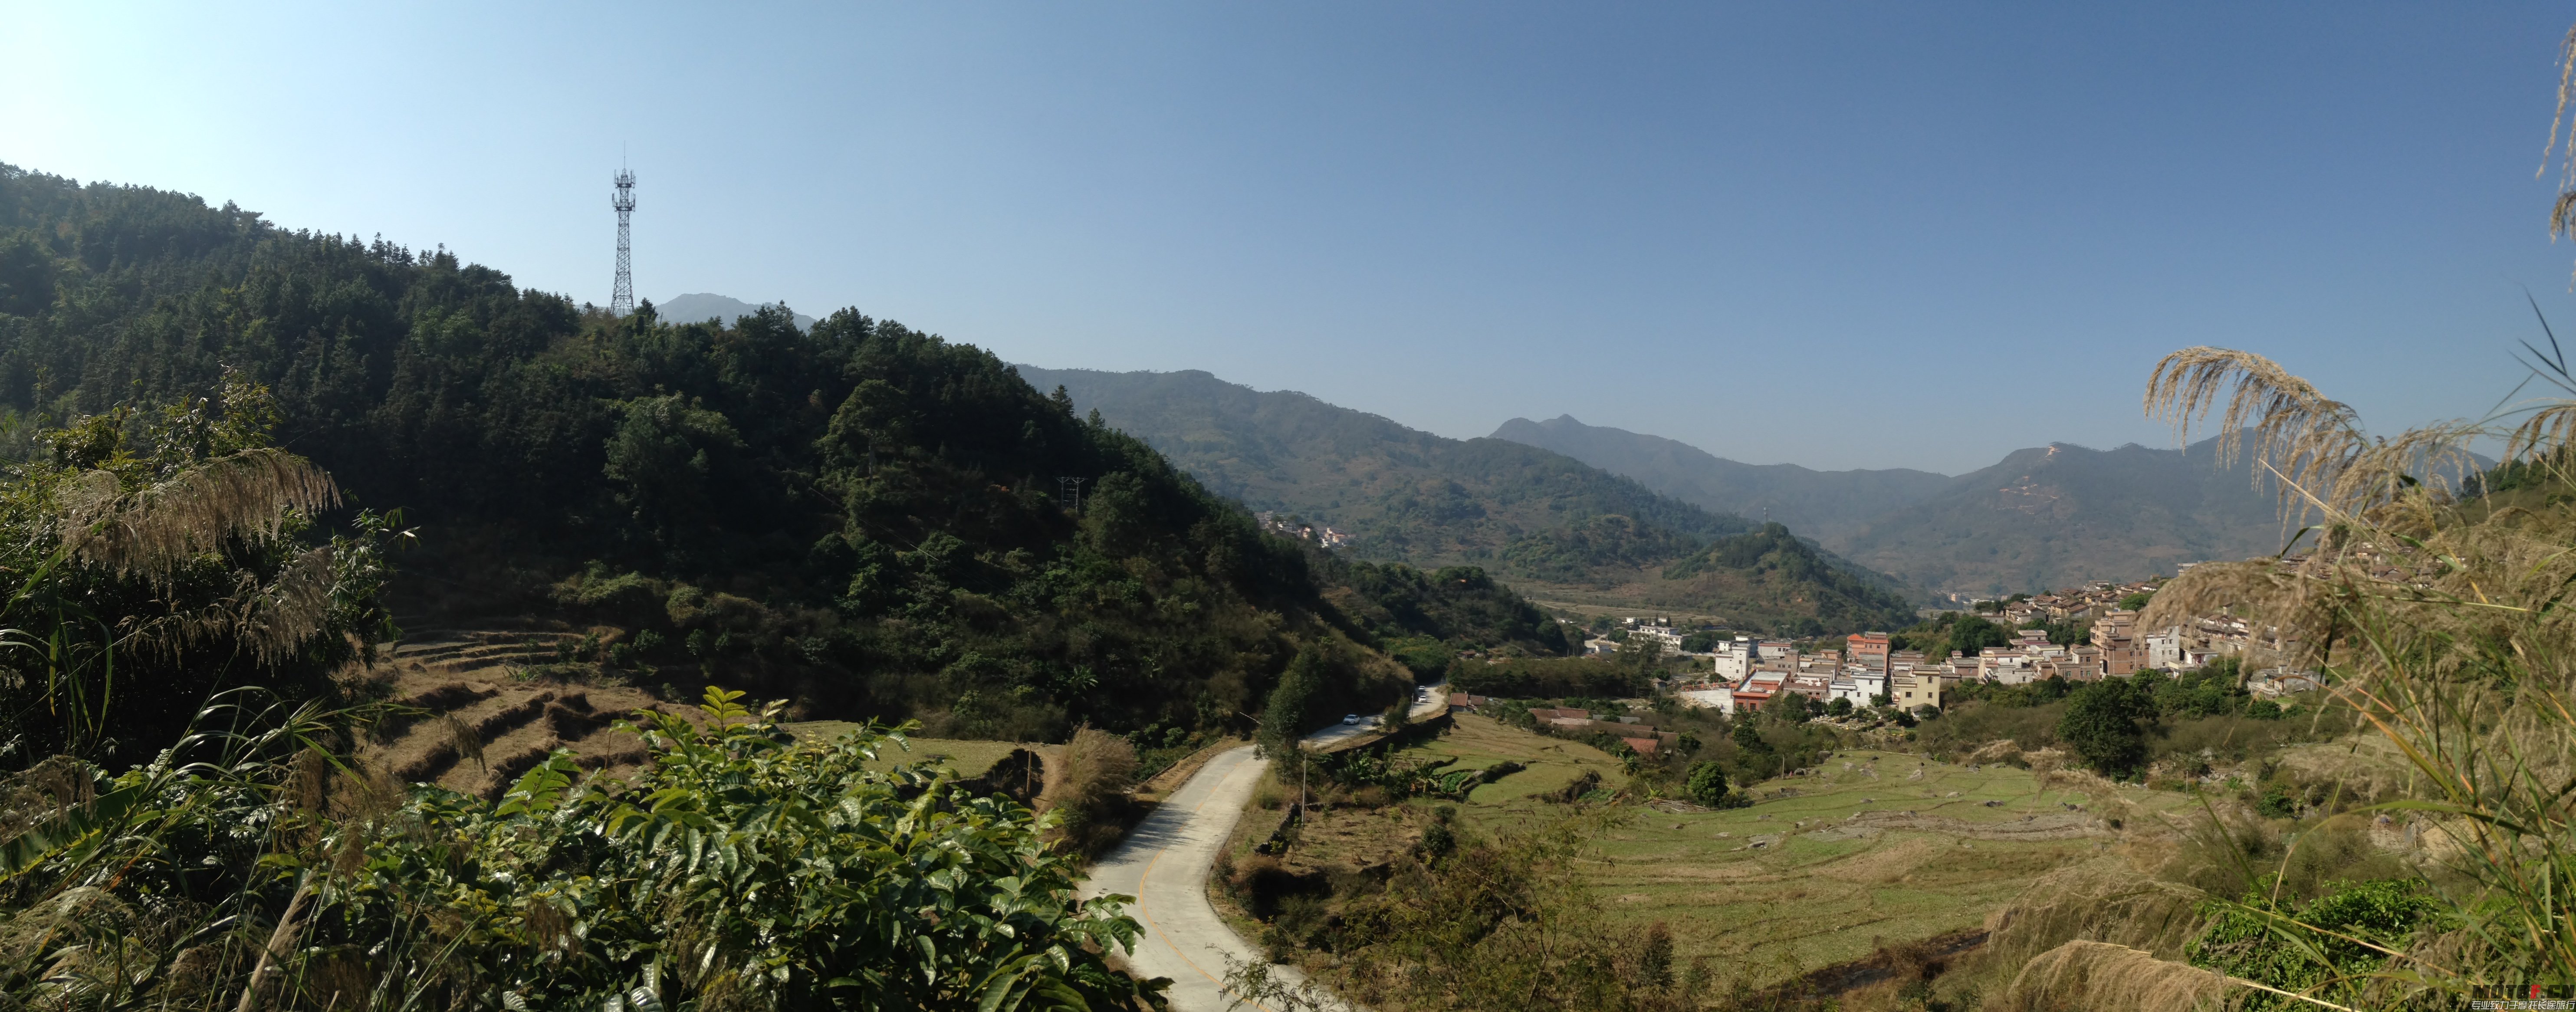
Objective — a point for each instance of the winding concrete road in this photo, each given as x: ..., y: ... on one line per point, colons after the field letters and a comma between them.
x: 1164, y: 864
x: 1438, y: 702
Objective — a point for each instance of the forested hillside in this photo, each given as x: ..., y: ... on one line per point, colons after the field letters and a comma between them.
x: 863, y: 516
x: 1533, y: 516
x: 1404, y: 493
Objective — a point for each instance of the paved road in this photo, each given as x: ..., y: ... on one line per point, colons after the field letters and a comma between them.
x: 1438, y: 703
x: 1164, y: 864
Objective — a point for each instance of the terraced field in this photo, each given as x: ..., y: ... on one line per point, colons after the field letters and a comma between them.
x: 488, y: 722
x: 1871, y: 846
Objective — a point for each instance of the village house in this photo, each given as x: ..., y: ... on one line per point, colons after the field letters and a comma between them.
x: 2122, y: 654
x: 2007, y: 666
x: 1910, y: 691
x: 2167, y: 650
x: 1869, y: 650
x: 1757, y: 690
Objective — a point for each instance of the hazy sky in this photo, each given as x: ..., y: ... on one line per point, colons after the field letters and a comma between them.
x: 1901, y: 235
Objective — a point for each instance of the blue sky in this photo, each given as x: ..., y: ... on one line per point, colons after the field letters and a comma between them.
x: 1900, y: 235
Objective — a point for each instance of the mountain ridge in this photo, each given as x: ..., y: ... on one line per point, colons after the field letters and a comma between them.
x: 1530, y: 514
x: 1821, y: 504
x: 697, y: 306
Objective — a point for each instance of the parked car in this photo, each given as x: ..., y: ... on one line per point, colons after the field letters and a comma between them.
x: 1350, y: 718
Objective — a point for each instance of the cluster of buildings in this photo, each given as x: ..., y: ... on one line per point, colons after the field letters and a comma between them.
x: 1288, y: 526
x: 1660, y: 630
x: 1746, y: 673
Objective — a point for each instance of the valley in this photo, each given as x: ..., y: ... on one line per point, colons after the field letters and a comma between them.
x: 387, y: 630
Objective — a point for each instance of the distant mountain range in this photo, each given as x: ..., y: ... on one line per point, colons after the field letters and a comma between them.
x: 2063, y: 514
x: 698, y: 306
x: 2047, y: 517
x: 1525, y: 513
x: 1821, y: 504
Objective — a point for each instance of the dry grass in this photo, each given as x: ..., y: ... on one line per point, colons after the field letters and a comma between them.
x: 967, y: 758
x: 1087, y: 791
x: 2104, y: 900
x: 2450, y: 629
x: 2102, y: 977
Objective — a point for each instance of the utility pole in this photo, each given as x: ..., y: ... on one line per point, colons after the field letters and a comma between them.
x: 621, y: 299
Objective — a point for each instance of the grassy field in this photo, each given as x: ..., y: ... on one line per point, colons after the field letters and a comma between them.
x: 1876, y: 846
x: 967, y: 758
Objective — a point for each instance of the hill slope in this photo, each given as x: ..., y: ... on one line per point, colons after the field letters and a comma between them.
x: 1825, y: 505
x: 862, y: 516
x: 1540, y: 518
x: 1404, y: 493
x: 2064, y: 514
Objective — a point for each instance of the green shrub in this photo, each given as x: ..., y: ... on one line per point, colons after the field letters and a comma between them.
x: 1707, y: 784
x: 2105, y: 723
x: 2327, y: 948
x: 742, y: 868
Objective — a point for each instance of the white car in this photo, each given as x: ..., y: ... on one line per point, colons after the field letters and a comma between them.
x: 1350, y: 718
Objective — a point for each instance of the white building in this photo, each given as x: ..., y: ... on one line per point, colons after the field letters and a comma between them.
x: 2168, y: 650
x: 1859, y: 683
x: 1733, y: 662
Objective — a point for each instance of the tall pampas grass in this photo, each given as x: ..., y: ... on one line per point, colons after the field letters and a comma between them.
x: 152, y: 531
x: 2102, y: 977
x: 2443, y: 621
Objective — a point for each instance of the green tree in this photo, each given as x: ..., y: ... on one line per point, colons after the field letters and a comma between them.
x: 1707, y: 783
x: 2105, y: 722
x: 1968, y: 634
x: 665, y: 461
x: 1289, y: 713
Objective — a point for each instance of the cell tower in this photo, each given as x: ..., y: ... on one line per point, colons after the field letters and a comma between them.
x: 621, y: 300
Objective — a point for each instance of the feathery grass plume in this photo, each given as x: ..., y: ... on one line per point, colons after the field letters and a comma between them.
x: 2101, y: 977
x: 150, y: 532
x: 2309, y: 446
x: 2562, y: 213
x: 2449, y: 627
x: 2100, y: 900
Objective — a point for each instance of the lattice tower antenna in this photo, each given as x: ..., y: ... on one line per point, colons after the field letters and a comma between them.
x: 621, y: 300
